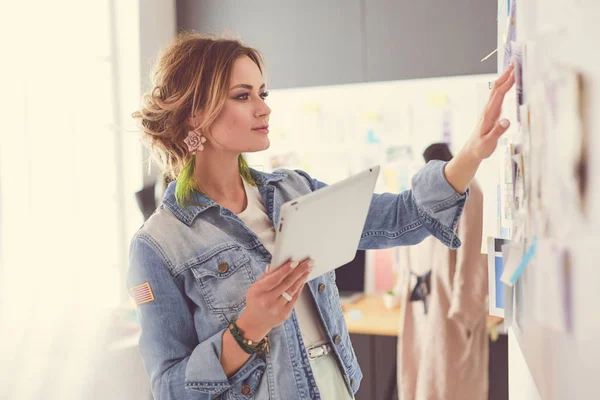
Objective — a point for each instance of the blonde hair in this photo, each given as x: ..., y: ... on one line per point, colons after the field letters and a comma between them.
x: 191, y: 75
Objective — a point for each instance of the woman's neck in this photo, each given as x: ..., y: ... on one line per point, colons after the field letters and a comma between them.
x: 219, y: 178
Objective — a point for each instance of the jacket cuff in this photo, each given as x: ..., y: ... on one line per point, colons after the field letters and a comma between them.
x: 440, y: 217
x: 205, y: 373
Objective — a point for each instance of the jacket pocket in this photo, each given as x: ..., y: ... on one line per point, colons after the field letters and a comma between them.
x: 224, y: 275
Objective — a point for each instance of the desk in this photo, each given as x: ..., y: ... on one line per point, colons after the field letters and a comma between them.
x: 375, y: 319
x: 374, y: 335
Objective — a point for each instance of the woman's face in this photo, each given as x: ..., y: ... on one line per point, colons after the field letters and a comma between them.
x: 243, y: 124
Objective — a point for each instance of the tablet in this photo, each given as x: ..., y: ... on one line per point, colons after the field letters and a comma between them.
x: 325, y: 225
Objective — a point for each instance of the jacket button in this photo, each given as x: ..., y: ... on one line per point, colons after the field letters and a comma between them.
x: 337, y: 339
x: 321, y: 287
x: 223, y: 267
x: 246, y: 390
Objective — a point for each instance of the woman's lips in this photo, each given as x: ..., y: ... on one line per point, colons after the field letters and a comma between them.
x: 261, y: 129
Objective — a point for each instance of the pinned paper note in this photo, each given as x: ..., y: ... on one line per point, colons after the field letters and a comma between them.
x: 512, y: 258
x: 372, y: 137
x: 517, y: 60
x: 495, y: 269
x: 508, y: 292
x: 310, y: 108
x: 370, y: 116
x: 438, y: 99
x: 510, y: 35
x: 518, y: 182
x: 564, y: 164
x: 517, y: 262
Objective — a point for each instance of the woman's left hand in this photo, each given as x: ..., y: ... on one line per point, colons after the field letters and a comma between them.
x: 484, y: 140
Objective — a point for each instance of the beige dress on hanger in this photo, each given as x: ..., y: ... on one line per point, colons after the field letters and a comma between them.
x: 443, y: 354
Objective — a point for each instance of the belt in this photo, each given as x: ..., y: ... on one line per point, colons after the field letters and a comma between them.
x: 319, y: 351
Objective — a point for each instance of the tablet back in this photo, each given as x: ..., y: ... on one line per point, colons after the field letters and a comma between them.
x: 325, y: 225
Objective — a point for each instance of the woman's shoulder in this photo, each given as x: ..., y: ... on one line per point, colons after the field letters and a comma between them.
x: 161, y: 221
x: 160, y: 231
x: 295, y: 177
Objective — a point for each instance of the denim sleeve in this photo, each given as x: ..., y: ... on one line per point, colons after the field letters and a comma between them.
x: 178, y: 365
x: 431, y: 207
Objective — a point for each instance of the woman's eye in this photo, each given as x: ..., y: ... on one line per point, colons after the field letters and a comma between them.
x: 245, y: 96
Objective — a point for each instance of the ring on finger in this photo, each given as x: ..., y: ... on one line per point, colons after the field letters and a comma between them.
x: 286, y: 296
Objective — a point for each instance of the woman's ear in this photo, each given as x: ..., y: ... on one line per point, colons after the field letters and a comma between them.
x: 195, y: 121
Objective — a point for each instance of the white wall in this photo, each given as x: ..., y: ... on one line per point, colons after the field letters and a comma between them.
x: 520, y: 382
x: 563, y: 361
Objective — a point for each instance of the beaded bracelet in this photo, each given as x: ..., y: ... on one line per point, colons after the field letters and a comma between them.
x: 247, y: 345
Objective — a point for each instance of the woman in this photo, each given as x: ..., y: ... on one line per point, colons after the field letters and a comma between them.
x: 215, y: 322
x: 443, y: 344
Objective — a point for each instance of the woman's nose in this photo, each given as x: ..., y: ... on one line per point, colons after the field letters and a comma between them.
x: 263, y: 110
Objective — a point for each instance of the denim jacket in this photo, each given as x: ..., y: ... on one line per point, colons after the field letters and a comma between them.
x: 195, y: 264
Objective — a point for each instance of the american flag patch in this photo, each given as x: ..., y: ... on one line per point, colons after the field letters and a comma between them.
x: 142, y: 293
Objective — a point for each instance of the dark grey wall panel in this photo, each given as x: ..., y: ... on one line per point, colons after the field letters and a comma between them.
x: 305, y: 43
x: 363, y: 348
x: 316, y: 42
x: 429, y: 38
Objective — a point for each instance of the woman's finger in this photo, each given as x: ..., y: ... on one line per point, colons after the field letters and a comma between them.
x: 286, y: 284
x: 503, y: 78
x: 274, y: 278
x: 494, y: 107
x: 500, y: 128
x: 290, y: 305
x: 293, y: 291
x: 505, y: 87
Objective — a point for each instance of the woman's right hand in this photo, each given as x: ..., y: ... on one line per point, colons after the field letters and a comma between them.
x: 266, y: 308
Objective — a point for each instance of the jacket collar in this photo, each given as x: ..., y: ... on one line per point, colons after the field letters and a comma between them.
x: 202, y: 202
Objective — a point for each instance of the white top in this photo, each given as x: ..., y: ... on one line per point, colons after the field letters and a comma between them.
x: 256, y: 219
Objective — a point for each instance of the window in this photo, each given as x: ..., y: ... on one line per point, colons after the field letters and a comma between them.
x: 67, y: 203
